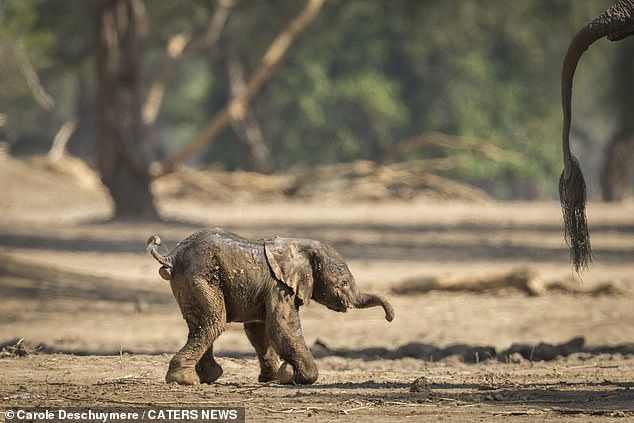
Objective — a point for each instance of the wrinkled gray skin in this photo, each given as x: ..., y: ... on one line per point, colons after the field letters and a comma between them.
x: 615, y: 23
x: 218, y: 277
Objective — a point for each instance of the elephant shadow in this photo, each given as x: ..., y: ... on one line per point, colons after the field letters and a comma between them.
x: 473, y: 354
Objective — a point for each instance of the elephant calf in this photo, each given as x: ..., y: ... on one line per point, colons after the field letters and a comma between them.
x: 217, y: 277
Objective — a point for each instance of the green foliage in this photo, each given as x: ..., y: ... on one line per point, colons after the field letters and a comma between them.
x: 335, y: 118
x: 189, y: 87
x: 483, y: 73
x: 364, y: 76
x: 21, y: 44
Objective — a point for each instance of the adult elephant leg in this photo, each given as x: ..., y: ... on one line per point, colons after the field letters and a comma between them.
x: 269, y: 360
x: 285, y: 333
x: 206, y: 318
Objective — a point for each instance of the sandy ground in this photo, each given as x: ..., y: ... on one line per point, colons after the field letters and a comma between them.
x: 84, y: 290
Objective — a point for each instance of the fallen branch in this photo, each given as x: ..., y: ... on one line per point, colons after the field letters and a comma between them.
x: 361, y: 180
x: 18, y: 348
x: 369, y: 180
x: 294, y: 410
x: 438, y: 139
x: 522, y: 279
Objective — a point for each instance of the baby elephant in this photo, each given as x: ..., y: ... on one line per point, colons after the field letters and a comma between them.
x: 217, y: 277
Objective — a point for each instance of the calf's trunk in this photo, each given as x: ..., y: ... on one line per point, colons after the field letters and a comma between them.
x: 364, y: 300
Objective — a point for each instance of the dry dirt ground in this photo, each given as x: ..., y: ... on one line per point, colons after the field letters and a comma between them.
x: 83, y: 292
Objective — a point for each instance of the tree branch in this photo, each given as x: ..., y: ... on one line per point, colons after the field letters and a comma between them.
x: 179, y: 49
x: 32, y: 79
x: 247, y: 128
x: 235, y: 108
x: 58, y: 148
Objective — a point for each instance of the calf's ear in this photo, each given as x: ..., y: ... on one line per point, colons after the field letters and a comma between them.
x: 290, y: 264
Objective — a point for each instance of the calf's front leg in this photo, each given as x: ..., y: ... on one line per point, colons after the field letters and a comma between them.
x: 268, y: 358
x: 284, y: 331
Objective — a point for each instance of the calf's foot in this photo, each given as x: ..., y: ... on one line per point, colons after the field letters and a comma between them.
x: 208, y: 371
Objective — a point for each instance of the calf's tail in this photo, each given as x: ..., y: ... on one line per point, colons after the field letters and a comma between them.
x: 166, y: 261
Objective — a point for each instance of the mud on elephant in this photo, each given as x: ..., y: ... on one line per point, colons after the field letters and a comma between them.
x: 218, y: 277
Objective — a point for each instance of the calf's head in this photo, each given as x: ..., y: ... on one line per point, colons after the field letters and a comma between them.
x: 313, y: 270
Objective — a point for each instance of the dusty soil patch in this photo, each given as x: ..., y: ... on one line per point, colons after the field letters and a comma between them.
x: 363, y: 390
x: 74, y: 283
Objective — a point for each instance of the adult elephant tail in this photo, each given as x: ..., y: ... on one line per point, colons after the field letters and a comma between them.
x: 616, y: 23
x: 167, y: 262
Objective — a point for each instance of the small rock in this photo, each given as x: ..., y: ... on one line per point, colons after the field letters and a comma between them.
x: 515, y: 358
x: 420, y: 384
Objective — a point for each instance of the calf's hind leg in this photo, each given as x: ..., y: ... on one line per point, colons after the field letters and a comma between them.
x: 207, y: 368
x: 204, y: 311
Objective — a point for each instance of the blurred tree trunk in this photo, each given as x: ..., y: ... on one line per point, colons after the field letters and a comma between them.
x: 616, y: 174
x: 82, y: 143
x: 123, y: 151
